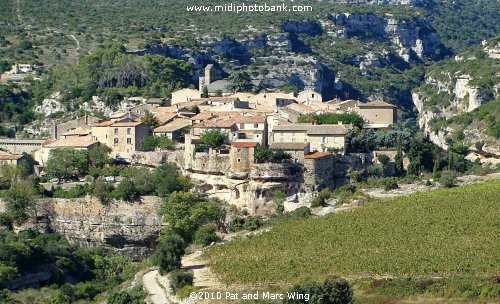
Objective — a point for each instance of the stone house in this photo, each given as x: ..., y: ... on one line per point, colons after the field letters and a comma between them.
x: 319, y: 137
x: 85, y: 143
x: 239, y: 128
x: 221, y: 104
x: 377, y: 114
x: 309, y: 95
x: 174, y: 130
x: 184, y: 95
x: 121, y: 137
x: 11, y: 159
x: 83, y: 121
x: 242, y: 157
x: 296, y: 149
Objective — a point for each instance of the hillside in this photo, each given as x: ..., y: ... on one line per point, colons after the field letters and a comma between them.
x: 459, y: 100
x: 363, y: 51
x: 438, y: 233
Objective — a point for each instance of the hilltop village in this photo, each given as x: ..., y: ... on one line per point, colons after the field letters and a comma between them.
x: 265, y: 144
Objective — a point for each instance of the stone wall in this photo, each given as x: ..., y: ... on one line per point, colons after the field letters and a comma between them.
x: 273, y: 171
x: 210, y: 163
x: 319, y: 172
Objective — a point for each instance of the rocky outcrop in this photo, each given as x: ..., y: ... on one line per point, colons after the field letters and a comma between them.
x: 309, y: 27
x: 457, y: 87
x: 410, y: 37
x: 129, y: 228
x: 51, y: 105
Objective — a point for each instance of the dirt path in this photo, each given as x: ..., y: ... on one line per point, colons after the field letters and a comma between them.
x: 76, y: 40
x: 156, y: 294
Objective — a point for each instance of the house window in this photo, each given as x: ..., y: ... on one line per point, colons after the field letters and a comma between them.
x: 128, y: 131
x: 293, y: 139
x: 255, y: 126
x: 129, y: 141
x: 242, y: 126
x: 325, y: 140
x: 239, y: 160
x: 336, y: 140
x: 116, y: 130
x: 115, y: 141
x: 312, y: 95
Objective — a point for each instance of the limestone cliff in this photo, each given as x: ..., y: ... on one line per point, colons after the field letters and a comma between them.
x: 462, y: 94
x: 127, y: 228
x: 412, y: 38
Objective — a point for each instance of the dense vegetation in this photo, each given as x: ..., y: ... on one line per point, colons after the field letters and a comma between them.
x: 420, y: 235
x: 92, y: 271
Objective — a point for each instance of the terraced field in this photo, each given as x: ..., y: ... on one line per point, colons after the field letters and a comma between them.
x: 439, y: 233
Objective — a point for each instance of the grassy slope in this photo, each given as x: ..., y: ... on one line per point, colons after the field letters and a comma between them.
x: 442, y: 232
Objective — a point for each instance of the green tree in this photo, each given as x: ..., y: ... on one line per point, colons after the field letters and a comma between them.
x: 398, y: 159
x: 99, y: 156
x: 180, y: 278
x: 168, y: 253
x: 150, y: 120
x: 213, y: 138
x: 102, y: 190
x: 206, y: 235
x: 185, y: 212
x: 126, y: 190
x: 240, y: 81
x: 67, y: 163
x: 20, y: 199
x: 204, y: 93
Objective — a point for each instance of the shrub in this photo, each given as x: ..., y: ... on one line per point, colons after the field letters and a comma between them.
x: 205, y: 235
x: 120, y: 297
x: 375, y: 170
x: 390, y: 184
x: 180, y: 278
x: 253, y: 223
x: 126, y: 190
x: 333, y: 290
x: 383, y: 159
x: 320, y: 199
x: 448, y: 179
x: 213, y: 138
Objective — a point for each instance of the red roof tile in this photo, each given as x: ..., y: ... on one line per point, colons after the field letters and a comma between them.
x: 317, y: 155
x: 240, y: 144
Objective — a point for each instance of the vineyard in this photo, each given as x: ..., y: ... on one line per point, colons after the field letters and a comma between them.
x: 439, y: 233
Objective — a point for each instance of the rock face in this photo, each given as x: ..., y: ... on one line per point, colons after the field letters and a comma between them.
x: 452, y: 90
x: 51, y: 105
x: 126, y: 228
x: 411, y: 37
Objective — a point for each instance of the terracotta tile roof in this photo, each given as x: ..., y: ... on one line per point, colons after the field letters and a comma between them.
x: 165, y: 117
x: 155, y: 100
x: 104, y: 124
x: 77, y: 131
x: 216, y: 99
x: 126, y: 124
x: 375, y: 104
x: 288, y: 146
x: 203, y: 116
x: 229, y: 122
x: 173, y: 126
x: 239, y: 144
x: 317, y: 155
x: 72, y: 142
x: 8, y: 156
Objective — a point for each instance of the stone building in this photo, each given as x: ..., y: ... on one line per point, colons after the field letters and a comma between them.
x: 296, y: 149
x: 377, y: 114
x: 184, y: 95
x: 319, y: 171
x: 242, y: 157
x: 83, y: 121
x: 121, y: 137
x: 11, y: 159
x: 320, y: 137
x: 174, y: 130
